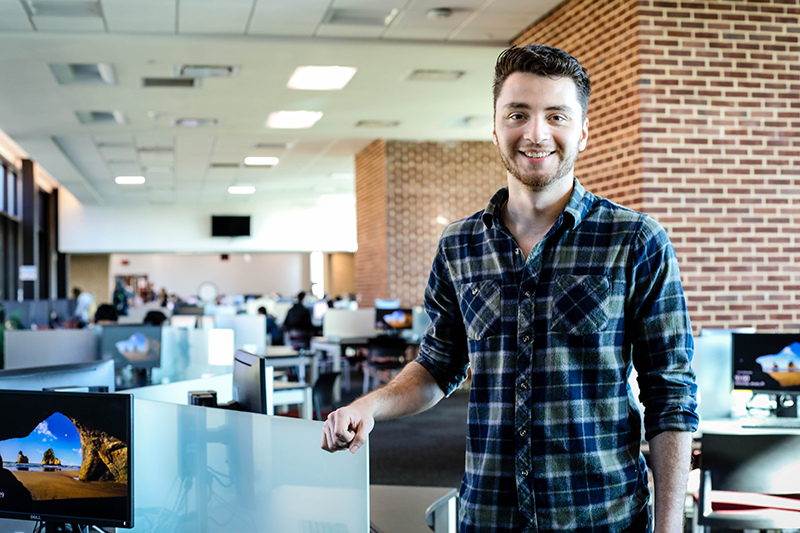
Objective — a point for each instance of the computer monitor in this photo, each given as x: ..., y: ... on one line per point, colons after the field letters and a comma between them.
x: 393, y: 319
x: 67, y: 458
x: 249, y: 383
x: 766, y: 362
x: 94, y: 376
x: 136, y: 345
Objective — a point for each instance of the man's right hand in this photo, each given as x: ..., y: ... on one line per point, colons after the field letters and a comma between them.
x: 346, y: 428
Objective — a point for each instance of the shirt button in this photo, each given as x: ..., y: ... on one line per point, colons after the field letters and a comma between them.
x: 523, y: 385
x: 475, y: 290
x: 522, y: 432
x: 527, y: 294
x: 524, y: 473
x: 525, y: 338
x: 516, y: 251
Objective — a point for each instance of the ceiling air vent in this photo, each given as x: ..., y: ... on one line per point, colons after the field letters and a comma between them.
x: 171, y: 83
x: 224, y: 165
x: 360, y: 17
x: 44, y: 8
x: 84, y: 73
x: 194, y: 122
x: 155, y: 150
x: 206, y: 71
x: 435, y: 75
x: 100, y: 117
x: 270, y: 146
x: 377, y: 124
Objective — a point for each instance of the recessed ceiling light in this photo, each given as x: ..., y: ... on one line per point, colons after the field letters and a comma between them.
x: 101, y: 117
x: 84, y: 73
x: 260, y: 161
x: 293, y: 119
x: 206, y: 71
x: 241, y: 189
x: 129, y: 180
x: 321, y: 78
x: 435, y: 75
x: 377, y: 124
x: 194, y: 122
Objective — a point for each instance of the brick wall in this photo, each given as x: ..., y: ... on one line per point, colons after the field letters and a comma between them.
x: 401, y: 216
x: 707, y: 96
x: 721, y: 144
x: 371, y: 258
x: 604, y: 36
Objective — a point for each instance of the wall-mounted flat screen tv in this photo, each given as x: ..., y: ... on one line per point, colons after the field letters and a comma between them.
x: 230, y: 226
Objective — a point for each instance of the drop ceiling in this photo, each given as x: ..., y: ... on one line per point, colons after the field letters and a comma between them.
x: 112, y: 119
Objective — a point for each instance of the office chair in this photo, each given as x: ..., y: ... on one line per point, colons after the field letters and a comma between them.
x: 749, y: 481
x: 322, y: 393
x: 384, y: 353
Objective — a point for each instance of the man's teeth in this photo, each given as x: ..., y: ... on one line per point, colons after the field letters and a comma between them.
x: 536, y: 155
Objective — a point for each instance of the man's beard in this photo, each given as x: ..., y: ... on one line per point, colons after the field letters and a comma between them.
x: 541, y: 181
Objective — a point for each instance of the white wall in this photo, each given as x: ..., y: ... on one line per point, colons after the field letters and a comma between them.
x: 187, y: 228
x: 284, y: 273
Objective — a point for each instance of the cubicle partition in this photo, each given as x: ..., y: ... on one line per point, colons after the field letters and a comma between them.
x: 26, y: 348
x: 37, y: 312
x: 193, y: 353
x: 211, y: 470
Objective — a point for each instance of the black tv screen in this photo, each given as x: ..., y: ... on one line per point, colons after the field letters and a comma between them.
x: 230, y: 226
x: 766, y: 362
x: 136, y: 345
x: 67, y: 457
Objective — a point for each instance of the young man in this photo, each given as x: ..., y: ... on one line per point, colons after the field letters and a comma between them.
x: 551, y: 294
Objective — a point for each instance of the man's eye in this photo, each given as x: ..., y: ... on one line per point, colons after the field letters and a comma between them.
x: 558, y: 118
x: 516, y: 116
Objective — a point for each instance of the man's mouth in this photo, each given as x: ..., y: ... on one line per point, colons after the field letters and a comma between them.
x: 537, y: 155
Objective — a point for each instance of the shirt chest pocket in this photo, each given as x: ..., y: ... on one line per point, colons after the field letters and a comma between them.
x: 580, y: 304
x: 480, y: 306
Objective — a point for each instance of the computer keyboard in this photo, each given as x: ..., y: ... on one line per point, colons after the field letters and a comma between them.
x: 771, y: 423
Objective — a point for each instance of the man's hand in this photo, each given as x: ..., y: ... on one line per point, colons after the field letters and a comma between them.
x: 346, y: 428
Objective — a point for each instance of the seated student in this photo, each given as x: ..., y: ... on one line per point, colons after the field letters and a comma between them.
x: 273, y: 330
x: 155, y: 318
x: 297, y: 326
x: 106, y: 315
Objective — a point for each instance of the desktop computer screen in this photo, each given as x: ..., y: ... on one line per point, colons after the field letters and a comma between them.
x: 393, y: 319
x: 249, y: 383
x: 136, y: 345
x: 766, y: 362
x: 67, y: 458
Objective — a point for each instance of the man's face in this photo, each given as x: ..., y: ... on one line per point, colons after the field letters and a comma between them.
x: 539, y: 129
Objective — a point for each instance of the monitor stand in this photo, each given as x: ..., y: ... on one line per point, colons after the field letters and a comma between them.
x: 61, y: 527
x: 786, y: 405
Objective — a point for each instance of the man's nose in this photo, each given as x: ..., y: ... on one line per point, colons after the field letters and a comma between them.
x: 537, y: 130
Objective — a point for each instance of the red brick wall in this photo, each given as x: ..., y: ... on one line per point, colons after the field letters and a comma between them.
x: 721, y: 139
x: 402, y: 188
x: 604, y: 36
x: 371, y: 258
x: 695, y: 119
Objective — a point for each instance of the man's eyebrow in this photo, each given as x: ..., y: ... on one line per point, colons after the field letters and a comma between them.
x: 522, y: 105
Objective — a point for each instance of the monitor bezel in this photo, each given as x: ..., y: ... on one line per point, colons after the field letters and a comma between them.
x: 124, y: 523
x: 148, y: 364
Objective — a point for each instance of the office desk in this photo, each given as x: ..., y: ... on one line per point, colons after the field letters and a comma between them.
x: 336, y: 348
x: 288, y: 357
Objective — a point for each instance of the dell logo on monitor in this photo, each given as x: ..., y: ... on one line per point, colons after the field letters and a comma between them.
x: 35, y: 517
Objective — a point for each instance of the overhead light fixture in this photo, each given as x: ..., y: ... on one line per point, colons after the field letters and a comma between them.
x: 84, y: 73
x: 321, y: 78
x: 241, y: 189
x: 441, y: 220
x: 440, y: 12
x: 293, y: 119
x: 129, y: 180
x: 260, y: 161
x: 101, y: 117
x: 47, y: 8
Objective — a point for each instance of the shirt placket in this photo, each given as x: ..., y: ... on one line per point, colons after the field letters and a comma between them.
x: 524, y: 464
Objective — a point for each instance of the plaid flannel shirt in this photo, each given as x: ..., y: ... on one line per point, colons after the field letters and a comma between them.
x: 553, y: 430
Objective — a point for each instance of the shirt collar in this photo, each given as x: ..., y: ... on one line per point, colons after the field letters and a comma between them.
x: 578, y: 205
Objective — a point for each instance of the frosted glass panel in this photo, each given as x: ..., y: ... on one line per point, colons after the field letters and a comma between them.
x: 185, y: 355
x: 208, y: 470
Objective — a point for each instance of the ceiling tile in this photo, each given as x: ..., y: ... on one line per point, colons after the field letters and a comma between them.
x: 13, y: 17
x: 111, y: 153
x: 298, y: 17
x: 354, y: 32
x: 145, y: 16
x: 214, y: 17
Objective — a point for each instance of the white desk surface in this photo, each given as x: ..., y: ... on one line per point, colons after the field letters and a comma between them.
x: 734, y: 426
x: 280, y: 351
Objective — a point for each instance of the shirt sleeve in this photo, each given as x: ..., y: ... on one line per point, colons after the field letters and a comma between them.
x: 662, y: 344
x: 443, y: 350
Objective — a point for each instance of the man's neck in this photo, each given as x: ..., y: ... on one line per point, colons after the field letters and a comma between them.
x: 530, y: 213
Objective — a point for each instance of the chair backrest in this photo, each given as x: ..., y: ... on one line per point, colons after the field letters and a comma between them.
x: 760, y: 463
x: 387, y: 346
x: 322, y: 392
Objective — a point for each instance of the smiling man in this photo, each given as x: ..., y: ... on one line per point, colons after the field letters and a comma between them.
x: 551, y: 295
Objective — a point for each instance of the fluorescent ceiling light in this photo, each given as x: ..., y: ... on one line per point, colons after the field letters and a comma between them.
x: 241, y: 189
x: 194, y: 122
x: 129, y: 180
x: 293, y: 119
x: 260, y: 161
x: 321, y: 78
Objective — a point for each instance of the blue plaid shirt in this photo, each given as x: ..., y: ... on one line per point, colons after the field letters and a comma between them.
x: 554, y: 432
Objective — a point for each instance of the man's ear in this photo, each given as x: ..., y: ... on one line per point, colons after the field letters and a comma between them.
x: 584, y: 135
x: 494, y: 138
